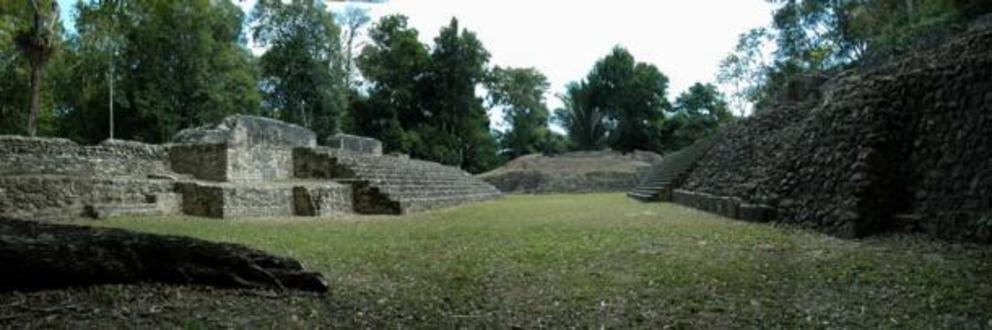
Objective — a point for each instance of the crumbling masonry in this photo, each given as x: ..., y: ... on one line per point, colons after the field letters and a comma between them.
x: 243, y: 167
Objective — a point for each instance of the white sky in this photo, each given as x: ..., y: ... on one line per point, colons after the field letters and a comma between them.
x: 685, y: 39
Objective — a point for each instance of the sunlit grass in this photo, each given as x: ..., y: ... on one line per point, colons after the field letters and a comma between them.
x: 604, y: 260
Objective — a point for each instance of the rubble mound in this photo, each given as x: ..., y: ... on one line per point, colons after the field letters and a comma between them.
x: 902, y: 146
x: 573, y: 172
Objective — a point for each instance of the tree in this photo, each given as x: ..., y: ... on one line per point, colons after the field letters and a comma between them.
x: 352, y: 20
x: 698, y: 113
x: 38, y: 41
x: 14, y: 93
x: 745, y: 69
x: 632, y: 97
x: 456, y: 117
x: 823, y: 35
x: 586, y: 125
x: 100, y: 40
x: 180, y: 64
x: 423, y: 102
x: 302, y: 78
x: 520, y: 94
x: 394, y: 64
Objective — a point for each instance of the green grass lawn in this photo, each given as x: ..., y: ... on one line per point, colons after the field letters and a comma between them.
x: 569, y: 260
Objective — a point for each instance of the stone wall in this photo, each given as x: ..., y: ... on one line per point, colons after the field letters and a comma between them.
x: 242, y: 167
x: 319, y: 163
x: 356, y: 144
x: 323, y: 200
x: 48, y: 179
x: 24, y: 155
x: 907, y: 145
x: 232, y: 200
x: 730, y: 207
x: 249, y: 131
x: 259, y: 163
x: 52, y: 197
x: 240, y: 149
x: 202, y: 161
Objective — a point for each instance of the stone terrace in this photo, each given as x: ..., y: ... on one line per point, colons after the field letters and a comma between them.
x: 405, y: 185
x: 242, y: 167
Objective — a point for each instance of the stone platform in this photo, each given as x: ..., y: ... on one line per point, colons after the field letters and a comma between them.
x: 393, y: 185
x: 242, y: 167
x: 271, y: 199
x: 53, y: 196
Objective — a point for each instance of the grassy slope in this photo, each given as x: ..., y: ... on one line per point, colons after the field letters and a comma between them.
x: 586, y: 260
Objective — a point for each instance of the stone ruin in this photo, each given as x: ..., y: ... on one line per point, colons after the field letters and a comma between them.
x: 243, y: 167
x: 904, y: 146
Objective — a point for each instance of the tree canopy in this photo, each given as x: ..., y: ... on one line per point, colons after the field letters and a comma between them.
x: 144, y: 69
x: 178, y: 64
x: 818, y: 36
x: 303, y: 80
x: 621, y: 103
x: 520, y: 93
x: 697, y: 113
x: 422, y: 100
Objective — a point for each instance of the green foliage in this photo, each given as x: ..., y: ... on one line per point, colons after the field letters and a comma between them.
x: 698, y: 113
x: 586, y: 126
x: 745, y: 69
x: 36, y: 32
x: 620, y: 103
x: 393, y: 65
x: 814, y: 36
x: 302, y: 75
x: 458, y: 67
x: 97, y: 61
x: 14, y: 93
x: 633, y: 96
x: 180, y: 64
x: 520, y: 94
x: 423, y: 102
x: 985, y: 221
x: 352, y: 21
x: 16, y: 20
x: 555, y: 143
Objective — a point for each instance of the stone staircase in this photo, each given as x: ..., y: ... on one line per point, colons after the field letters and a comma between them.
x: 659, y: 182
x: 394, y: 185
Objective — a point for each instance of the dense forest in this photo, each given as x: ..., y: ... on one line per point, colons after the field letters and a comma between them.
x: 144, y: 69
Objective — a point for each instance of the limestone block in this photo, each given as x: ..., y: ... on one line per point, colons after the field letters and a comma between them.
x: 249, y: 131
x: 355, y: 144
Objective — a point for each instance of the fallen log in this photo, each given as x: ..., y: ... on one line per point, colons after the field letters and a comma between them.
x: 37, y: 256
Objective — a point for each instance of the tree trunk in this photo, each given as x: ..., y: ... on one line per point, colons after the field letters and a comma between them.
x: 349, y: 62
x: 110, y: 84
x: 49, y: 256
x: 37, y: 71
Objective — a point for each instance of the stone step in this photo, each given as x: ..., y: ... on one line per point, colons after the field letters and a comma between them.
x: 157, y: 204
x: 421, y: 204
x: 103, y: 211
x: 670, y: 172
x: 643, y: 196
x: 438, y: 195
x: 417, y: 185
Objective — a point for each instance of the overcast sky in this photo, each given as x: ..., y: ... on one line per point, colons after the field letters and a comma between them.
x: 685, y: 39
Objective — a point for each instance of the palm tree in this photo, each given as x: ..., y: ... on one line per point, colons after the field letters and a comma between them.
x: 587, y: 126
